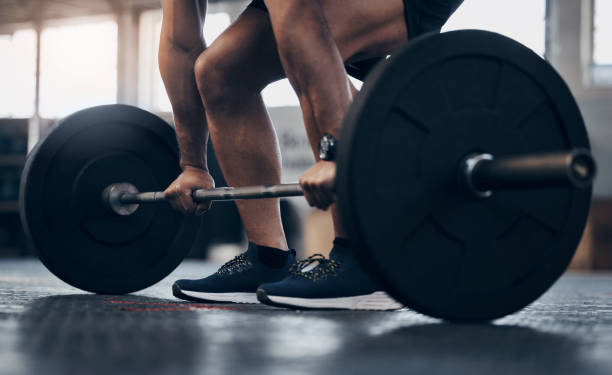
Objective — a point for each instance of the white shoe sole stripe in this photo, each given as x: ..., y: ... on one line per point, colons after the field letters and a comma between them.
x: 374, y: 301
x: 223, y: 297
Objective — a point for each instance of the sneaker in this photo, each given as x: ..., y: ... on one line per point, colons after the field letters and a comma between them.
x: 335, y: 283
x: 237, y: 280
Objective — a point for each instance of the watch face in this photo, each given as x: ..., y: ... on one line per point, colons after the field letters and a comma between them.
x: 326, y: 147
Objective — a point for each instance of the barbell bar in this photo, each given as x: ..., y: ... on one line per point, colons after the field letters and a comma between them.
x: 480, y: 173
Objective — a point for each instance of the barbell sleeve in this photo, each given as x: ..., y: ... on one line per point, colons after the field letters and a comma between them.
x: 485, y: 174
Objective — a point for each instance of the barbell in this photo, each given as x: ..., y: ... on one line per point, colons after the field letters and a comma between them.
x: 464, y: 178
x: 478, y: 173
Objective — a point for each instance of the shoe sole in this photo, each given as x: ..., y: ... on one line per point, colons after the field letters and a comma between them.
x: 188, y: 295
x: 377, y: 301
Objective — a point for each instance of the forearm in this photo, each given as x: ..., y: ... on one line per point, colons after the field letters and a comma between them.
x: 315, y: 68
x: 176, y: 66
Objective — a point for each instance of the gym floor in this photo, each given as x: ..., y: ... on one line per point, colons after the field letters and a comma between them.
x: 48, y: 327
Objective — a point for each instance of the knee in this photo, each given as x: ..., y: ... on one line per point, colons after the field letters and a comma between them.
x: 212, y: 76
x: 222, y: 77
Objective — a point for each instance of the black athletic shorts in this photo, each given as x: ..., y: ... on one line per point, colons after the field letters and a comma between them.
x: 422, y: 16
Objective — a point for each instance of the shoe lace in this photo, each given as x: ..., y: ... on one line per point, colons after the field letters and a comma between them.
x: 239, y: 263
x: 326, y: 267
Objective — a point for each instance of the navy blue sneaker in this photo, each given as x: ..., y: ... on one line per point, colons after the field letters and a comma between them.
x: 237, y: 280
x: 335, y: 283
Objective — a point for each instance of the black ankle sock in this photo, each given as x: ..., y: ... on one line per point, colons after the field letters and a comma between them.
x: 271, y: 257
x: 342, y: 242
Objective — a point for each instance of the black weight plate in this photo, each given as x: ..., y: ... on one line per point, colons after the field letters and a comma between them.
x: 77, y: 238
x: 438, y: 250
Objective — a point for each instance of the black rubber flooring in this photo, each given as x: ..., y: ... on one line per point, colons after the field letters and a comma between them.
x: 47, y: 327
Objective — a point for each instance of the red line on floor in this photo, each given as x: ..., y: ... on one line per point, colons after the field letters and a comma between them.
x: 181, y: 308
x: 165, y: 306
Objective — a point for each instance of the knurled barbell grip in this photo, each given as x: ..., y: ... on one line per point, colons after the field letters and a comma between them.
x: 221, y: 194
x: 248, y: 192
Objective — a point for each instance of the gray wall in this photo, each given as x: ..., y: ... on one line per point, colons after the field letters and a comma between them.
x: 569, y: 50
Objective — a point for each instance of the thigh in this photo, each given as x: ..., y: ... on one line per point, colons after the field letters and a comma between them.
x: 360, y: 28
x: 366, y: 28
x: 246, y: 52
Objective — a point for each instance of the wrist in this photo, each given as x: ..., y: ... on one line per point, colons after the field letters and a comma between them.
x: 194, y: 166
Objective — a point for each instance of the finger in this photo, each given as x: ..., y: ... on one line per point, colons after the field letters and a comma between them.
x: 176, y: 203
x: 329, y: 185
x: 169, y: 194
x: 326, y: 199
x: 187, y: 203
x: 308, y: 194
x: 317, y: 198
x: 202, y: 208
x: 329, y: 196
x: 309, y: 198
x: 325, y: 195
x: 172, y: 199
x: 313, y: 194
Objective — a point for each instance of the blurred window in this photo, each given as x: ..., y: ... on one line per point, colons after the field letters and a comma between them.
x: 18, y: 74
x: 78, y: 67
x: 522, y: 20
x: 602, y: 39
x: 214, y: 26
x: 280, y: 94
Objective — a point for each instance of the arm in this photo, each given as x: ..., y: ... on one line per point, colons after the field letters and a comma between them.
x: 312, y: 62
x: 314, y: 65
x: 181, y: 42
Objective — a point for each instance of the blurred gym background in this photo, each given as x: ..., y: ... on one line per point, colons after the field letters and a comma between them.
x: 58, y: 56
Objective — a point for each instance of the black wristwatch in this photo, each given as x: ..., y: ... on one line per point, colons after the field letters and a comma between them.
x: 327, y: 147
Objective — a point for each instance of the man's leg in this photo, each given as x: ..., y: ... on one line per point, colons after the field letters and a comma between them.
x: 230, y: 76
x: 314, y: 39
x: 247, y: 148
